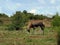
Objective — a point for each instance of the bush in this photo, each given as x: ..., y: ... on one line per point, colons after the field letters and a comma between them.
x: 56, y: 25
x: 56, y: 21
x: 18, y: 21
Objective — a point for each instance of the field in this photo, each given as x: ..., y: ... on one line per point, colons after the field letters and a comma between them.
x: 24, y: 38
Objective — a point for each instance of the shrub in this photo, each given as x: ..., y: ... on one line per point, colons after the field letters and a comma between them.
x: 56, y: 21
x: 18, y: 21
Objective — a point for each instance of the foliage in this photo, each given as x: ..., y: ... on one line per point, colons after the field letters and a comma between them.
x: 56, y: 21
x: 36, y: 17
x: 3, y: 15
x: 1, y: 22
x: 25, y: 12
x: 18, y: 20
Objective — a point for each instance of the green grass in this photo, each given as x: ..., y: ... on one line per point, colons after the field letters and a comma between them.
x: 24, y: 38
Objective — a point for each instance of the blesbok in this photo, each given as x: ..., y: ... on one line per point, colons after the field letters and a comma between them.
x: 35, y: 23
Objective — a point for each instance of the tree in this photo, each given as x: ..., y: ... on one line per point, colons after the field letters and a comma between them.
x: 25, y: 15
x: 17, y: 20
x: 56, y: 20
x: 57, y: 14
x: 25, y: 12
x: 3, y: 15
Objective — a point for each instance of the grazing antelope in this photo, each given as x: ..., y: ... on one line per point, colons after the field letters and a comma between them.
x: 35, y: 23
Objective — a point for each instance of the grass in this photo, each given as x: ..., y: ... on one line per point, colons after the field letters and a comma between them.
x: 24, y: 38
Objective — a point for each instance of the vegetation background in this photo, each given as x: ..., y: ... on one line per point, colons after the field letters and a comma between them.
x: 13, y: 29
